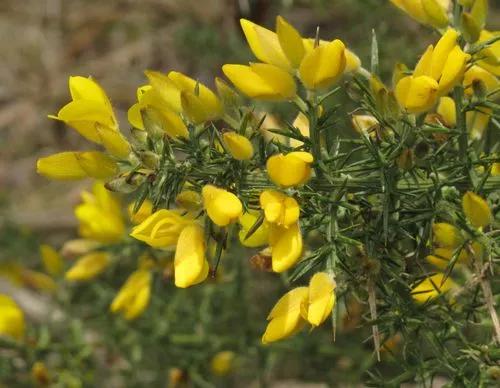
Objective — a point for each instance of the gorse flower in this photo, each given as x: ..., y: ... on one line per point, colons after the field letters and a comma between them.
x: 11, y: 318
x: 88, y: 266
x: 161, y: 229
x: 439, y: 70
x: 222, y: 206
x: 133, y: 297
x: 238, y: 146
x: 476, y: 210
x: 431, y: 287
x: 279, y: 208
x: 100, y: 216
x: 259, y: 237
x: 286, y: 246
x: 432, y: 12
x: 191, y: 266
x: 292, y: 169
x: 311, y: 304
x: 222, y: 363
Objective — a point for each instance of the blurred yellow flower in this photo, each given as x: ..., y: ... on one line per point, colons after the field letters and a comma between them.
x: 77, y: 165
x: 133, y: 297
x: 161, y: 229
x: 100, y: 215
x: 477, y: 76
x: 190, y: 265
x: 431, y: 287
x: 222, y: 206
x: 432, y: 12
x: 416, y: 94
x: 446, y: 235
x: 189, y: 200
x: 88, y: 266
x: 222, y: 363
x: 51, y: 259
x: 440, y: 257
x: 476, y: 210
x: 144, y: 211
x: 11, y: 318
x: 286, y: 316
x: 279, y: 208
x: 292, y: 169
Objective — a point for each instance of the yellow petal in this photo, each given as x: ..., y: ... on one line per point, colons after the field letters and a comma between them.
x: 88, y: 266
x: 189, y: 200
x: 324, y: 65
x: 222, y: 363
x: 353, y: 63
x: 222, y: 206
x: 440, y: 55
x: 441, y: 257
x: 475, y: 75
x: 190, y: 262
x: 239, y: 146
x: 259, y: 237
x: 82, y: 88
x: 161, y: 229
x: 77, y: 165
x: 113, y: 141
x: 286, y: 247
x: 279, y: 208
x: 447, y: 110
x: 51, y: 259
x: 321, y: 298
x: 436, y: 14
x: 290, y: 41
x: 166, y: 89
x: 431, y: 288
x: 476, y: 210
x: 453, y: 70
x: 285, y: 317
x: 423, y: 66
x: 12, y: 323
x: 477, y: 121
x: 264, y: 44
x: 208, y: 100
x: 290, y: 170
x: 416, y: 94
x: 144, y: 211
x: 446, y: 235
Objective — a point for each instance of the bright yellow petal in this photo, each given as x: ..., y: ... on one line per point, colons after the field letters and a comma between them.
x: 238, y: 146
x: 476, y: 209
x: 321, y: 298
x: 190, y: 262
x: 286, y: 247
x: 290, y: 41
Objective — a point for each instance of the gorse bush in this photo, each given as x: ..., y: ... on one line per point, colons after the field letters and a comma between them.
x: 394, y: 227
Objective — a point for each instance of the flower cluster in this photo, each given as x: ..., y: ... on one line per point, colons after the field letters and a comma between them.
x: 354, y: 216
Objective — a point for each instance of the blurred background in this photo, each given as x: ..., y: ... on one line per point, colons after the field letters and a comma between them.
x: 43, y: 42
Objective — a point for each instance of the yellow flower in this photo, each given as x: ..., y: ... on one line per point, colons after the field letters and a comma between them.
x: 150, y: 100
x: 191, y: 266
x: 321, y: 298
x: 222, y: 206
x: 259, y: 237
x: 289, y: 170
x: 432, y: 12
x: 477, y: 121
x: 222, y: 363
x: 324, y: 65
x: 416, y: 94
x: 91, y: 114
x: 144, y: 211
x: 198, y: 102
x: 286, y: 316
x: 189, y: 200
x: 161, y: 229
x: 495, y: 169
x: 88, y: 266
x: 447, y: 110
x: 19, y: 275
x: 11, y: 318
x: 286, y: 246
x: 301, y: 122
x: 262, y: 81
x: 365, y: 124
x: 477, y: 75
x: 446, y: 63
x: 279, y: 208
x: 446, y: 235
x: 77, y: 165
x: 440, y: 257
x: 238, y: 146
x: 51, y: 259
x: 431, y: 287
x: 491, y: 54
x: 169, y: 93
x: 100, y: 216
x: 133, y: 297
x: 476, y: 210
